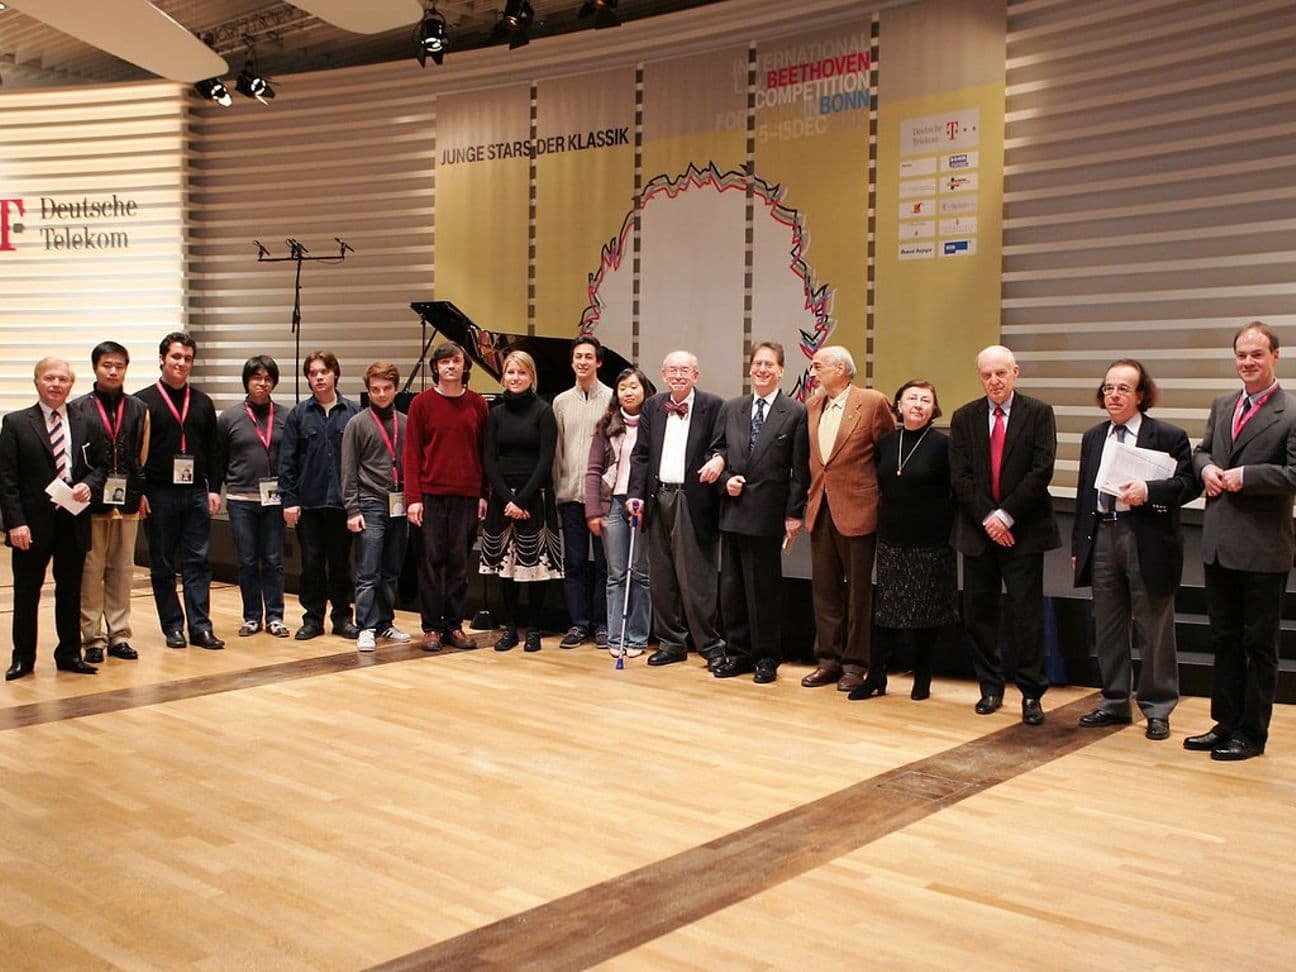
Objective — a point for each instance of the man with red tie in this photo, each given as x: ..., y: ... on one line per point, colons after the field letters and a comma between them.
x: 52, y: 461
x: 1002, y: 449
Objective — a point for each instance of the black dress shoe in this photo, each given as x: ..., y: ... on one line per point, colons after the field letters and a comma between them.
x: 921, y: 690
x: 18, y: 670
x: 736, y: 665
x: 1032, y: 712
x: 1207, y: 741
x: 664, y: 657
x: 867, y: 689
x: 508, y: 639
x: 76, y: 666
x: 175, y: 639
x: 766, y: 671
x: 1158, y: 729
x: 716, y: 659
x: 1235, y: 748
x: 120, y: 650
x: 308, y: 631
x: 94, y: 655
x: 988, y: 704
x: 347, y: 630
x: 532, y: 642
x: 1101, y: 717
x: 208, y: 640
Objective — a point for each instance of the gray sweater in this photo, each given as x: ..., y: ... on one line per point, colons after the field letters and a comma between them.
x: 240, y: 457
x: 366, y: 463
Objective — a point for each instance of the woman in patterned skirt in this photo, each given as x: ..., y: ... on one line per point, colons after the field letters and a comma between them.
x: 917, y: 574
x: 520, y: 539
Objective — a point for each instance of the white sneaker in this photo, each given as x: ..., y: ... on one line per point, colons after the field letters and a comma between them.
x: 366, y: 641
x: 393, y: 633
x: 633, y: 652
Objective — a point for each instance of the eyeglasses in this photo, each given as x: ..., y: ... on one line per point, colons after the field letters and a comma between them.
x: 1113, y: 389
x: 260, y: 380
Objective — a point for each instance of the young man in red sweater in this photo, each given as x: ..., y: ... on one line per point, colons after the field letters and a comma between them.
x: 445, y: 491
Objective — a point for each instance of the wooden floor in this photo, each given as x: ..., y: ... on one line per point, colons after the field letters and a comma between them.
x: 284, y: 805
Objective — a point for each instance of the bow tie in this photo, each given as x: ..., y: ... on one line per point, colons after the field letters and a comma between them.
x: 677, y: 408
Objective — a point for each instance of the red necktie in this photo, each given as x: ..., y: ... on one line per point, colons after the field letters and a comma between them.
x: 996, y: 451
x: 677, y: 408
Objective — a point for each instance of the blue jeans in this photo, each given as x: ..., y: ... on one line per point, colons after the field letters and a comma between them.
x: 258, y: 537
x: 616, y: 541
x: 179, y: 518
x: 379, y: 553
x: 584, y: 581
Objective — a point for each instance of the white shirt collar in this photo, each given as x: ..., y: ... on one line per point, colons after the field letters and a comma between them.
x: 1131, y: 427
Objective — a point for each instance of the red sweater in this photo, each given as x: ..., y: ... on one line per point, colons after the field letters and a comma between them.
x: 443, y: 446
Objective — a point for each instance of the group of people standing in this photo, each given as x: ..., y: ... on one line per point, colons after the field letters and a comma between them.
x: 664, y: 516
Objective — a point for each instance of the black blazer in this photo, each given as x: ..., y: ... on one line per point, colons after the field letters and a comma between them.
x: 27, y: 467
x: 1030, y: 448
x: 703, y: 498
x: 777, y: 468
x: 1156, y: 522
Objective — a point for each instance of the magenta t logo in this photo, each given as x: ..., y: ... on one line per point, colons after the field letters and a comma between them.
x: 5, y: 205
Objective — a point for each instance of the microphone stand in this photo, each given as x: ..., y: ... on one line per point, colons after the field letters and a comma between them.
x: 298, y: 254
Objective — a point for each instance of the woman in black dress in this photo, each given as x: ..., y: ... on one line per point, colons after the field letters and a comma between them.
x: 520, y: 539
x: 917, y: 573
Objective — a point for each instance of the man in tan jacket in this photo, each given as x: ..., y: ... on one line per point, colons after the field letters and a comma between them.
x: 845, y: 423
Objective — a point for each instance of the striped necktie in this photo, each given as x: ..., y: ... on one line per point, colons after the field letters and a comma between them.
x: 58, y: 443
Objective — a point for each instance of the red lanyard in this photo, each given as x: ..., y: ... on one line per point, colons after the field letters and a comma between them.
x: 113, y: 430
x: 1240, y: 419
x: 269, y: 432
x: 390, y: 441
x: 180, y: 416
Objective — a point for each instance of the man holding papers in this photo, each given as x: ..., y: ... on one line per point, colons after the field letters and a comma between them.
x: 1247, y: 464
x: 52, y: 461
x: 1135, y: 474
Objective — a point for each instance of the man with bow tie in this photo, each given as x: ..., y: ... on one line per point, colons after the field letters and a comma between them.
x: 673, y: 487
x: 49, y: 446
x: 1247, y: 463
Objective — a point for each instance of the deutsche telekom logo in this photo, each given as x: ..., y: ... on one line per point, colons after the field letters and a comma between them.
x: 6, y: 207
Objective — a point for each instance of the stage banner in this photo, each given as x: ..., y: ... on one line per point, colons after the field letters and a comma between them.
x: 584, y: 187
x: 483, y: 165
x: 693, y: 216
x: 811, y: 195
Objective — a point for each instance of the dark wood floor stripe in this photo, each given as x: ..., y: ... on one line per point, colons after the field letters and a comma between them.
x: 56, y: 710
x: 600, y: 922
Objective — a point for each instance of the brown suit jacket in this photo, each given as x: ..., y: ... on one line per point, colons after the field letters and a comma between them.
x: 849, y: 475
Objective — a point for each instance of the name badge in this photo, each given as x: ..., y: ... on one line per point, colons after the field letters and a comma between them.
x: 114, y: 493
x: 269, y: 489
x: 396, y: 504
x: 182, y: 470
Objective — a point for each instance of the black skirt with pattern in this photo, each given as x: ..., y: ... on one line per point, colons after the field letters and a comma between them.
x: 523, y: 550
x: 917, y: 587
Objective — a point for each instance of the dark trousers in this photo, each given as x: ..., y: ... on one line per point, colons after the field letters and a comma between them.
x: 179, y: 518
x: 259, y: 539
x: 1023, y: 577
x: 29, y: 576
x: 446, y: 538
x: 325, y: 566
x: 379, y: 553
x: 1245, y: 610
x: 842, y: 593
x: 684, y: 582
x: 584, y: 577
x: 750, y: 599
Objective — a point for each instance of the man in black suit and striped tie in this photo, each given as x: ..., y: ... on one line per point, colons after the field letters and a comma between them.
x: 38, y: 446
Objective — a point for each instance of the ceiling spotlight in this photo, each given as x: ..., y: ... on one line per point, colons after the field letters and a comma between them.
x: 515, y: 23
x: 213, y: 89
x: 250, y: 84
x: 432, y: 38
x: 603, y: 12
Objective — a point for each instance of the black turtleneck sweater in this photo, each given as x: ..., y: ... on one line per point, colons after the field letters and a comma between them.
x: 165, y: 439
x: 241, y: 460
x: 520, y: 437
x: 367, y: 475
x: 917, y: 508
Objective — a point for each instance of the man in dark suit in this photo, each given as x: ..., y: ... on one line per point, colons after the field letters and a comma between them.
x: 1247, y: 463
x: 672, y: 485
x: 1130, y: 548
x: 38, y: 445
x: 1002, y: 449
x: 762, y: 439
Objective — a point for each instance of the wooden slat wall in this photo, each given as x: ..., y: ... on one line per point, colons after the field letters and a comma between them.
x: 1149, y: 207
x: 70, y: 143
x: 340, y: 154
